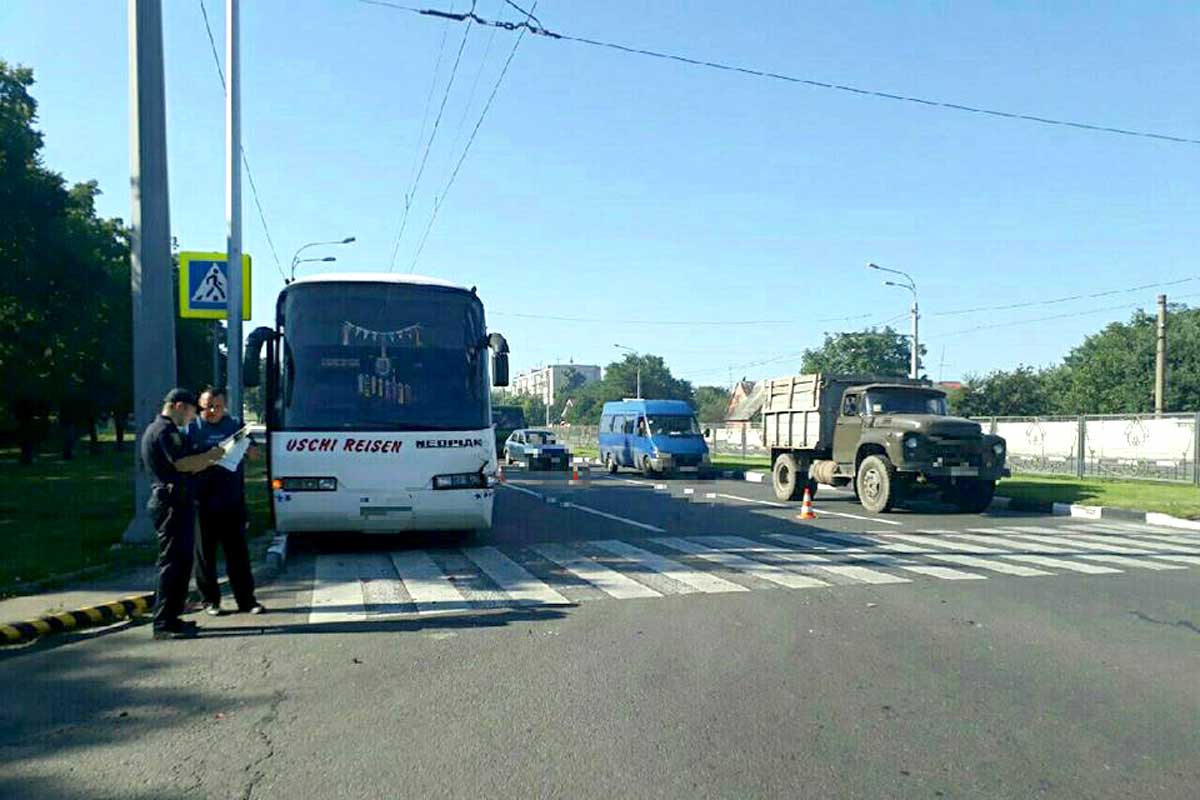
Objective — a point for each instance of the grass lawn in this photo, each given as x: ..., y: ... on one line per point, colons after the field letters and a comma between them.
x: 60, y: 516
x: 1179, y: 500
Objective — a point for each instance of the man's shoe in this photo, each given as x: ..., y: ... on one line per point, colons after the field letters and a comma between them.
x: 181, y: 631
x: 213, y: 611
x: 257, y: 608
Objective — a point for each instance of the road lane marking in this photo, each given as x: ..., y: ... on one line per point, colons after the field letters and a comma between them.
x: 849, y: 571
x: 615, y: 518
x: 606, y: 580
x: 824, y: 510
x: 1016, y: 544
x: 1113, y: 544
x: 428, y: 586
x: 337, y: 594
x: 757, y: 569
x: 935, y: 555
x: 971, y: 560
x: 752, y: 500
x: 884, y: 559
x: 696, y: 580
x: 1067, y: 543
x: 523, y: 490
x: 513, y: 579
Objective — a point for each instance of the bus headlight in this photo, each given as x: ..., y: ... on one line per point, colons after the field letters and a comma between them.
x: 305, y: 484
x: 461, y: 480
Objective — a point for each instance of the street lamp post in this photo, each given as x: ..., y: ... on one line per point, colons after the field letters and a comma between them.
x: 638, y: 356
x: 296, y: 260
x: 312, y: 261
x: 915, y: 368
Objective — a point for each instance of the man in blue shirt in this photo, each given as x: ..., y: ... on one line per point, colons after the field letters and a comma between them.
x: 221, y: 498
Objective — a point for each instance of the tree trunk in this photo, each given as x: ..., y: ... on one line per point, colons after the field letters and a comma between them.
x: 70, y: 436
x: 119, y: 424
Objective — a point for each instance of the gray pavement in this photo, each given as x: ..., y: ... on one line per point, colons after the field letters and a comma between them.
x: 640, y: 638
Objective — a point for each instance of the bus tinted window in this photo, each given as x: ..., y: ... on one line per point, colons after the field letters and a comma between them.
x: 383, y: 357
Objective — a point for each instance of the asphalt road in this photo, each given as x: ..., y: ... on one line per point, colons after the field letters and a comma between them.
x: 638, y: 638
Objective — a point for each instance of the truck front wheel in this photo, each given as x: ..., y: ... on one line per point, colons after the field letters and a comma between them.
x: 973, y: 497
x: 876, y: 483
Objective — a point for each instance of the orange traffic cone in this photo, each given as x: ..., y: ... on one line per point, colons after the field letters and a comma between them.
x: 806, y: 509
x: 574, y: 476
x: 500, y: 473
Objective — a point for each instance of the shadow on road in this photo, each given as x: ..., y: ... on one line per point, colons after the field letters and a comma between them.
x: 498, y: 618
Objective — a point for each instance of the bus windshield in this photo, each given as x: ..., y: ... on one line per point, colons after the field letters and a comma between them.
x: 673, y: 425
x: 383, y: 356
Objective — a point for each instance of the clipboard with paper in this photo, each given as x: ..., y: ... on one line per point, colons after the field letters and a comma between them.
x: 235, y: 448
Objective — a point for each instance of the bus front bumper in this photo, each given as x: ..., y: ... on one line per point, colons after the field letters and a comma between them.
x: 349, y: 511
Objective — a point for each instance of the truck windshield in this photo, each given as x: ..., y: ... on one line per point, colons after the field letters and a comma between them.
x: 901, y: 402
x: 383, y: 356
x: 673, y: 425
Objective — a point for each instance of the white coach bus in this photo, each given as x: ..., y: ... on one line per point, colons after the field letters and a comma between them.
x: 377, y: 400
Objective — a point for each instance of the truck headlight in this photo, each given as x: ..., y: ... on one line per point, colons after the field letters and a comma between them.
x: 911, y: 443
x: 998, y: 449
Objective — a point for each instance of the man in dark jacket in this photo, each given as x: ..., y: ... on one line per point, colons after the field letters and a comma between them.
x: 172, y: 463
x: 221, y: 497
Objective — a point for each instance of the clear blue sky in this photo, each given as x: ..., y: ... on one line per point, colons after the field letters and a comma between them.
x: 612, y: 186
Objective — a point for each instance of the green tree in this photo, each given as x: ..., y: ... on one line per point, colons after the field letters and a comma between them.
x: 869, y: 352
x: 1020, y: 392
x: 711, y: 403
x: 583, y: 404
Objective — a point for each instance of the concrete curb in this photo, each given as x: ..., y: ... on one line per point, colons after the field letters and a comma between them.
x: 1097, y: 512
x: 109, y: 613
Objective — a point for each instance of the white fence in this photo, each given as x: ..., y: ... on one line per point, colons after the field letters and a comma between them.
x: 1149, y: 447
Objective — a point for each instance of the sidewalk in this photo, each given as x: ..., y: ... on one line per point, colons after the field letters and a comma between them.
x: 135, y: 586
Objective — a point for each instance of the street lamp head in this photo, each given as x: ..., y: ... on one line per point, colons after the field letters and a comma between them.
x: 329, y: 258
x: 873, y: 265
x: 348, y: 240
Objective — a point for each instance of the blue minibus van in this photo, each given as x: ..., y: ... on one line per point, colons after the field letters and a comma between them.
x: 654, y: 436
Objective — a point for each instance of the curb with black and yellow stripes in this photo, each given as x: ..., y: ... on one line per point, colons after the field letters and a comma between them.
x: 90, y: 616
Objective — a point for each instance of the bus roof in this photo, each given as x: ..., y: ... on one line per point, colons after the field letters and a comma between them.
x: 377, y: 277
x: 648, y: 407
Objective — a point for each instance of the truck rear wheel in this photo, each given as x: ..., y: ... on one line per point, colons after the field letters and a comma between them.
x: 787, y: 478
x: 876, y: 483
x: 974, y: 497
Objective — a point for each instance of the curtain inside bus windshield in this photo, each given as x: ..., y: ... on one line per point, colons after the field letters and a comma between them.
x: 380, y: 356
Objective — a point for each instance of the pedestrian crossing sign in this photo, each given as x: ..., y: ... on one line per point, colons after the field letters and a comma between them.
x: 204, y: 285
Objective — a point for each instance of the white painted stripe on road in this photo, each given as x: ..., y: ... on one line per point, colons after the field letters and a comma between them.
x: 770, y: 503
x: 523, y: 490
x: 615, y: 518
x: 337, y: 594
x: 757, y: 569
x: 606, y: 580
x: 695, y: 579
x: 849, y: 571
x: 1160, y: 552
x: 1173, y: 542
x: 1042, y: 561
x: 431, y: 590
x: 1073, y: 546
x: 1113, y: 544
x: 885, y: 559
x: 513, y: 579
x: 824, y: 510
x: 935, y: 555
x: 992, y: 564
x: 1138, y: 534
x: 1038, y: 558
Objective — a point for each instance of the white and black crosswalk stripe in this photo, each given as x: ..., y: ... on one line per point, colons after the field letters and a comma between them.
x: 359, y: 586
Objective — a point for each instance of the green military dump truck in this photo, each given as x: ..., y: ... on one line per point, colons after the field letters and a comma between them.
x: 885, y: 438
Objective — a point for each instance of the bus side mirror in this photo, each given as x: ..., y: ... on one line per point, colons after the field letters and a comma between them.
x: 251, y: 374
x: 500, y: 369
x: 707, y: 432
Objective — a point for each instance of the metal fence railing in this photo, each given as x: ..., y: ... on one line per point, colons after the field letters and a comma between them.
x: 1138, y: 446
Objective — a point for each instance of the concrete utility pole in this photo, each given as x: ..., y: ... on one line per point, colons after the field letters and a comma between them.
x: 151, y: 281
x: 1160, y: 361
x: 915, y: 357
x: 638, y: 356
x: 233, y: 208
